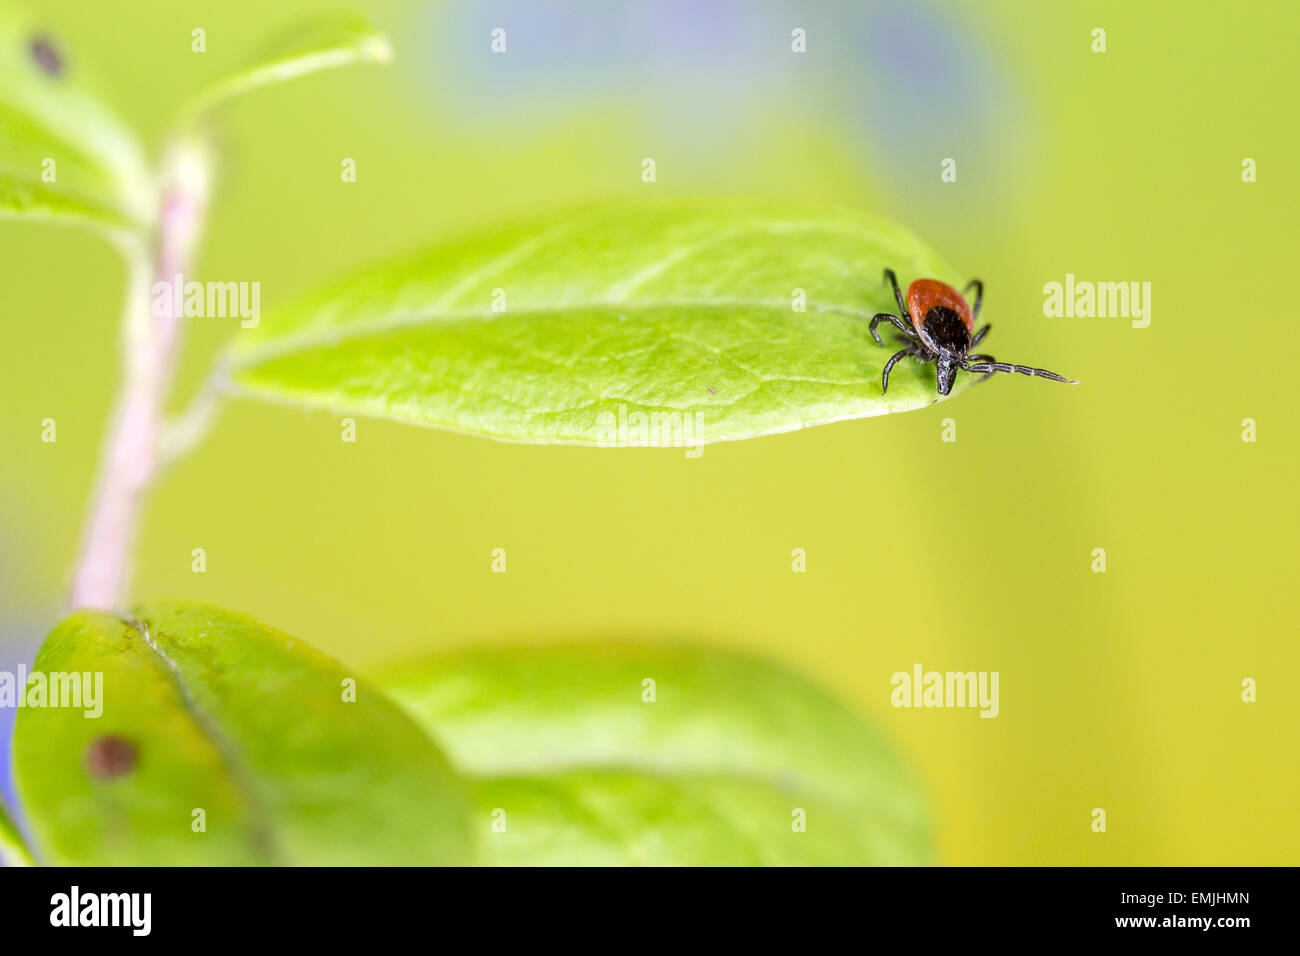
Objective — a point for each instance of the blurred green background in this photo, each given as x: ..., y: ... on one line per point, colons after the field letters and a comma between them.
x: 1118, y: 690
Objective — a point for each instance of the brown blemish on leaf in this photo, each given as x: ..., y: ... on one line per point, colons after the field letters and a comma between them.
x: 110, y: 756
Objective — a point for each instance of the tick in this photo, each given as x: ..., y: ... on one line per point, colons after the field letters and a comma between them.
x: 942, y: 331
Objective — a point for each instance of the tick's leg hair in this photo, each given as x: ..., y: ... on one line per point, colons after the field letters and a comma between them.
x: 886, y: 316
x: 979, y: 336
x: 884, y: 378
x: 898, y: 293
x: 979, y: 294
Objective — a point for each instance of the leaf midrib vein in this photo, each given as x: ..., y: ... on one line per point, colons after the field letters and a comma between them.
x: 262, y: 834
x: 254, y: 355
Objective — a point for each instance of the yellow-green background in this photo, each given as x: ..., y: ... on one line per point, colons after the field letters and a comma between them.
x: 1118, y: 690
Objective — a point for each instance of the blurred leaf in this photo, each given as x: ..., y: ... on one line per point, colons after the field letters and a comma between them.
x: 48, y: 111
x: 338, y: 39
x: 680, y: 307
x: 709, y: 773
x: 618, y: 817
x: 13, y: 849
x: 203, y: 708
x: 20, y: 200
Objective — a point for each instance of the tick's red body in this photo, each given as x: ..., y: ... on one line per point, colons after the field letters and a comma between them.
x: 942, y: 331
x: 925, y: 294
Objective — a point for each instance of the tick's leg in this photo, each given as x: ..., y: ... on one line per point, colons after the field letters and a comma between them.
x: 979, y: 336
x: 884, y: 378
x: 979, y: 294
x: 1022, y: 369
x: 885, y: 316
x: 898, y: 293
x: 981, y: 358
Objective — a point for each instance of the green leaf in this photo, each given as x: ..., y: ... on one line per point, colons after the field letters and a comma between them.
x: 20, y: 200
x: 323, y: 43
x: 49, y: 110
x: 206, y: 709
x: 711, y: 772
x: 679, y: 311
x: 13, y: 849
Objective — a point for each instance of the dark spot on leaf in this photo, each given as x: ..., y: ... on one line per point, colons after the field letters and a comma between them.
x: 46, y: 56
x: 110, y: 756
x: 712, y: 390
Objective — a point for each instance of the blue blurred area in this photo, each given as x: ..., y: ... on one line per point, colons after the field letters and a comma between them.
x: 17, y: 647
x: 24, y: 622
x: 947, y: 95
x: 6, y: 730
x: 568, y: 56
x: 913, y: 77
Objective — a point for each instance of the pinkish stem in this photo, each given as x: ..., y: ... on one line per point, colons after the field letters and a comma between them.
x: 131, y: 456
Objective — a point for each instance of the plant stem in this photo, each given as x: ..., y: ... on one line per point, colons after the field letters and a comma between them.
x: 151, y: 332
